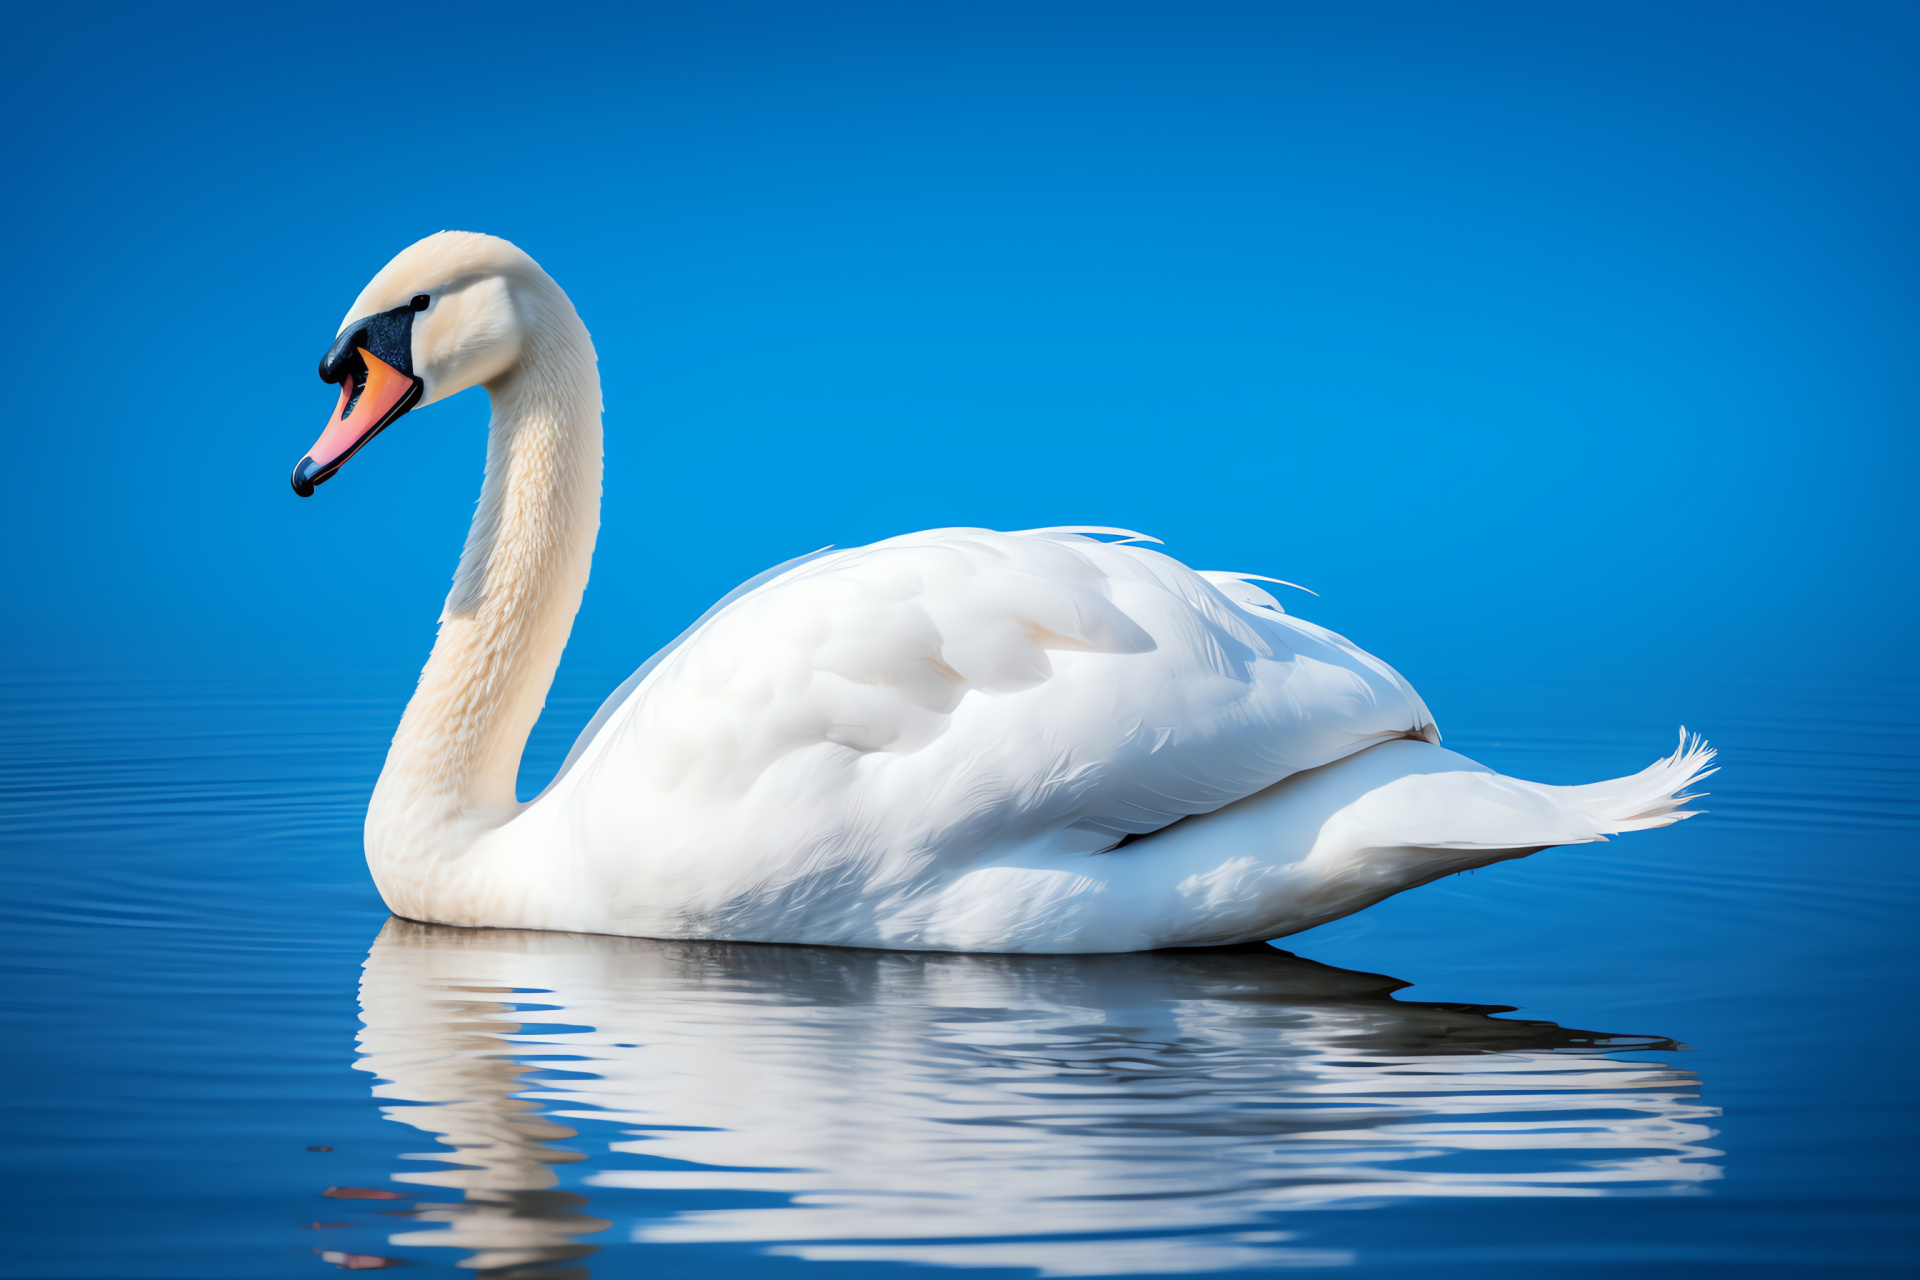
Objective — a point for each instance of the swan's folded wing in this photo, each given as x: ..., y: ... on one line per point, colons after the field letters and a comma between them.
x: 951, y: 694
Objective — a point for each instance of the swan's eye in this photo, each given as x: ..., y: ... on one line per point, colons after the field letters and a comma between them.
x: 420, y: 301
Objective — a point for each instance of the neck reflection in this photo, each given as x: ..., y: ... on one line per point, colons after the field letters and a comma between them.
x: 1083, y: 1114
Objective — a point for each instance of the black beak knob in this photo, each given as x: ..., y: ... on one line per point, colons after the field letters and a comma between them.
x: 389, y: 335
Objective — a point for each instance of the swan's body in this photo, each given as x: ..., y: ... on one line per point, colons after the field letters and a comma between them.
x: 936, y: 742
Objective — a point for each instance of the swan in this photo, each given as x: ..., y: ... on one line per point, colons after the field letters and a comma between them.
x: 1051, y: 740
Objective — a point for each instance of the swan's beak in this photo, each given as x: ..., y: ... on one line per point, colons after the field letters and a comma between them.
x: 372, y: 396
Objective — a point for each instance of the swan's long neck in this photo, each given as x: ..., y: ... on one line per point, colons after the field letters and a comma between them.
x: 451, y: 770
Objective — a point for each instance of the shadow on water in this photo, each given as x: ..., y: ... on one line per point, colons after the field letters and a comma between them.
x: 1080, y: 1114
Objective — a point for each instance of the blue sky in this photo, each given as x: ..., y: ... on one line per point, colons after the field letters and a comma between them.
x: 1567, y: 339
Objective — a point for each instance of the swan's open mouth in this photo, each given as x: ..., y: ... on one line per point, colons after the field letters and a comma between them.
x: 372, y: 395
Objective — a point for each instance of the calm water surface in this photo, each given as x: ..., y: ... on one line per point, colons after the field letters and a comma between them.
x: 227, y: 1061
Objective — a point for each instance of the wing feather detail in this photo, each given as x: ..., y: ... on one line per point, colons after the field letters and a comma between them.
x: 875, y: 720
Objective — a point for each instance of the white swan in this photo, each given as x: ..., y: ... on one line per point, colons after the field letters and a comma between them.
x: 941, y: 741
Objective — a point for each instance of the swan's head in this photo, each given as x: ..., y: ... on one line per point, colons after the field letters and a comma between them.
x: 448, y: 313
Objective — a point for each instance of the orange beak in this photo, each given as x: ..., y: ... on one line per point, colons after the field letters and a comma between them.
x: 372, y: 397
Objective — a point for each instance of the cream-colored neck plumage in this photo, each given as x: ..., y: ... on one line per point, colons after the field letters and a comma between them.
x: 450, y: 772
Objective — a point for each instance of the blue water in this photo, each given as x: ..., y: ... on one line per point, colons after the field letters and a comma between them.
x: 1684, y: 1052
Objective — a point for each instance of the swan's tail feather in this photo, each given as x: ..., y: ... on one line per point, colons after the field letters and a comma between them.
x: 1402, y: 813
x: 1650, y: 798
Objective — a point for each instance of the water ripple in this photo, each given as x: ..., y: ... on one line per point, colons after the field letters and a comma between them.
x: 957, y: 1110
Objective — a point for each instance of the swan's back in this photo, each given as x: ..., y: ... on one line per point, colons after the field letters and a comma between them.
x: 874, y: 722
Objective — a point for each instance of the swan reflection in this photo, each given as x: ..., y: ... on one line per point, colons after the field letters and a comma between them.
x: 1150, y: 1112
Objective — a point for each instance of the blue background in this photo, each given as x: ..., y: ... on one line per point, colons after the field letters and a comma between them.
x: 1568, y: 350
x: 1568, y: 339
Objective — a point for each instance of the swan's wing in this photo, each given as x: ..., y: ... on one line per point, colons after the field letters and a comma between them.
x: 951, y: 694
x: 618, y: 698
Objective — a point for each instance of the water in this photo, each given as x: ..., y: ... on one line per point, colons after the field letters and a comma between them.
x: 225, y: 1060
